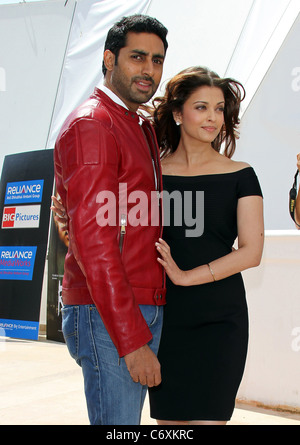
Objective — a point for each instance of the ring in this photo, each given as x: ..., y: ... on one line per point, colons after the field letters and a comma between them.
x: 63, y: 214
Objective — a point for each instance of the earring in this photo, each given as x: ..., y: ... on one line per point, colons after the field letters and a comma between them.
x: 178, y: 123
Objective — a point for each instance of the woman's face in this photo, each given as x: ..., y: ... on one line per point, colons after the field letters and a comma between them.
x: 202, y: 116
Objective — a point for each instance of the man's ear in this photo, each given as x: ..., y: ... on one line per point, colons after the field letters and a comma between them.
x: 109, y: 59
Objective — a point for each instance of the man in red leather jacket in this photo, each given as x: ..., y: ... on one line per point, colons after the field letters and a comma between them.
x: 107, y: 162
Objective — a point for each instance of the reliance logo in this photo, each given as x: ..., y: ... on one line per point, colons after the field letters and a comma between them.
x: 17, y: 262
x: 24, y: 192
x: 16, y: 254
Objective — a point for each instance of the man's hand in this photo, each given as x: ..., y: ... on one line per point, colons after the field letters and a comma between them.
x: 144, y: 366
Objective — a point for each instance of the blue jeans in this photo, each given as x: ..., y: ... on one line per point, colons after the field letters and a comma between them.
x: 112, y: 396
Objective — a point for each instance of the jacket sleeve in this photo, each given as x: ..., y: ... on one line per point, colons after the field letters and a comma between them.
x: 86, y: 163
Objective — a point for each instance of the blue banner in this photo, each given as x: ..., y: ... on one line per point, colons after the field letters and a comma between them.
x: 24, y: 192
x: 28, y: 330
x: 17, y: 262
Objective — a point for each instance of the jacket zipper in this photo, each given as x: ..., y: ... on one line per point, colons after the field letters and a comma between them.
x: 122, y: 232
x: 155, y: 165
x: 157, y: 179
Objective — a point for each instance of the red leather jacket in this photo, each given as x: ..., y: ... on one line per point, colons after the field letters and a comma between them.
x: 100, y: 146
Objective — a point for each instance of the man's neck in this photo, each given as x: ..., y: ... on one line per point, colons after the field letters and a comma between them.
x: 112, y: 95
x: 132, y: 107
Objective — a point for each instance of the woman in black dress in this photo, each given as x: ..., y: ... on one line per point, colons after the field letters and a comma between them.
x: 205, y: 335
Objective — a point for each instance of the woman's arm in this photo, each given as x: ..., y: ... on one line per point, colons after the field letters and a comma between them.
x: 60, y: 214
x: 248, y: 255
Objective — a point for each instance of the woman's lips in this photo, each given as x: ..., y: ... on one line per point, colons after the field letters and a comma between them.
x: 209, y: 129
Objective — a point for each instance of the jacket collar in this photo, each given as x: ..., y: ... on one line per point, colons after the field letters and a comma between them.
x: 112, y: 96
x: 111, y: 102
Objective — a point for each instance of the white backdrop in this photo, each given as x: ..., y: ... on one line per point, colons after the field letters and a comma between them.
x: 83, y: 62
x: 265, y: 30
x: 238, y: 39
x: 33, y: 40
x: 270, y: 132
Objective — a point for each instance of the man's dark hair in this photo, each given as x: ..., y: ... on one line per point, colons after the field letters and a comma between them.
x: 116, y: 37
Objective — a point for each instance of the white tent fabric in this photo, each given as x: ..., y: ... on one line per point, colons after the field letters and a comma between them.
x: 33, y: 39
x: 265, y: 30
x: 201, y: 32
x: 270, y: 131
x: 238, y: 39
x: 83, y: 61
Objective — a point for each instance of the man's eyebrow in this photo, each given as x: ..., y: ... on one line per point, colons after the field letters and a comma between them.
x: 144, y: 53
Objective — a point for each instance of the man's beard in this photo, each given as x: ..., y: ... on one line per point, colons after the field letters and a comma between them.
x: 127, y: 90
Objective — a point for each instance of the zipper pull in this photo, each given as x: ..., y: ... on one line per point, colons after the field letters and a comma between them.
x: 123, y: 224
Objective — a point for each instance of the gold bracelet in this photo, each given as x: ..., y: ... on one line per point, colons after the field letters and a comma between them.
x: 212, y: 272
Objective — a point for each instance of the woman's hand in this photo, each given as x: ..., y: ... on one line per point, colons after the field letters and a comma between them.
x: 176, y: 275
x: 298, y: 161
x: 60, y: 212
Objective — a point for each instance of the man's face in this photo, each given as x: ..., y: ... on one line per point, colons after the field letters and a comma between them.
x: 137, y: 74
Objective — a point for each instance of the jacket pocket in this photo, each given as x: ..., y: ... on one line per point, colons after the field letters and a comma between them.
x: 123, y: 223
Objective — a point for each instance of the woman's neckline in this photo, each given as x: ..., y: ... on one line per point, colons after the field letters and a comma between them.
x: 208, y: 174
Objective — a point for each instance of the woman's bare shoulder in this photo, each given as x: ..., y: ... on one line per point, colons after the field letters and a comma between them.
x: 235, y: 166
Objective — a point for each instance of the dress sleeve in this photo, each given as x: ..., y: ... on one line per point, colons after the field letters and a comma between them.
x: 248, y: 184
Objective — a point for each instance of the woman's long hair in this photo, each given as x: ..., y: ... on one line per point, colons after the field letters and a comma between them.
x: 178, y: 90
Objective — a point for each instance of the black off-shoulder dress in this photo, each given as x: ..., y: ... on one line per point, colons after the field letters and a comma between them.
x: 204, y: 341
